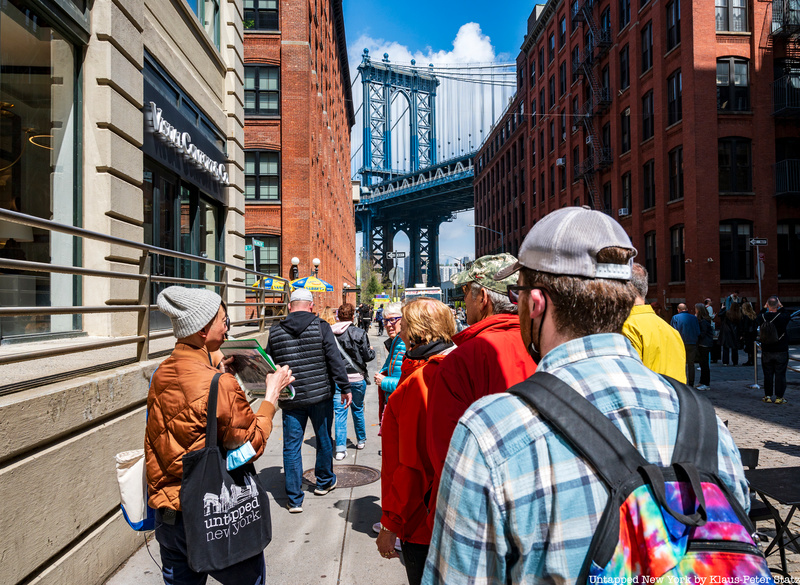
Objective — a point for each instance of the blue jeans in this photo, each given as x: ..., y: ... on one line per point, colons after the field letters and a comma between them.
x: 294, y: 428
x: 175, y: 567
x: 359, y: 389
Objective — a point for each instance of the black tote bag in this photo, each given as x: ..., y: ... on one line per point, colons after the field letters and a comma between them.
x: 225, y: 513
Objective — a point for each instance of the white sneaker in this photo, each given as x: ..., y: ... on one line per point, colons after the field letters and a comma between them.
x: 376, y: 528
x: 340, y: 455
x: 398, y: 546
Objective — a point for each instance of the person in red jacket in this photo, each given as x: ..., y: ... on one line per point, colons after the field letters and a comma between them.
x: 489, y: 358
x: 406, y: 470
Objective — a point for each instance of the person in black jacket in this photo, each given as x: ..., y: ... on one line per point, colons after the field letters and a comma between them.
x: 775, y: 354
x: 356, y: 352
x: 704, y: 343
x: 307, y: 345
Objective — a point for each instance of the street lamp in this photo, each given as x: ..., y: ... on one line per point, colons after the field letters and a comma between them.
x: 295, y: 273
x: 316, y: 264
x: 502, y: 237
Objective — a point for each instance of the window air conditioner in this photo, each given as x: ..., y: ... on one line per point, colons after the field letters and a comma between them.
x: 560, y: 162
x: 589, y: 139
x: 622, y: 211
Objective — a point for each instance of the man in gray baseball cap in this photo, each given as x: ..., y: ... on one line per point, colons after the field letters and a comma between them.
x: 512, y: 486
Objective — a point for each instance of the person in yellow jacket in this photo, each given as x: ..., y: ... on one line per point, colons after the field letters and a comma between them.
x: 658, y: 344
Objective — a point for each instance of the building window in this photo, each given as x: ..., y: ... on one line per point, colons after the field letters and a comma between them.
x: 624, y: 68
x: 261, y: 15
x: 624, y: 13
x: 650, y: 257
x: 563, y: 125
x: 731, y: 15
x: 40, y: 142
x: 551, y: 86
x: 562, y: 32
x: 533, y: 72
x: 676, y: 173
x: 576, y: 159
x: 625, y: 130
x: 647, y: 115
x: 626, y: 194
x: 789, y: 249
x: 208, y: 14
x: 541, y: 146
x: 575, y: 8
x: 605, y: 79
x: 649, y: 184
x: 261, y: 90
x: 552, y: 136
x: 541, y: 184
x: 533, y: 192
x: 677, y: 254
x: 262, y: 180
x: 733, y: 87
x: 542, y: 105
x: 562, y: 174
x: 533, y: 112
x: 736, y: 258
x: 674, y: 97
x: 541, y: 61
x: 263, y: 254
x: 735, y: 165
x: 562, y: 78
x: 647, y: 47
x: 607, y: 198
x: 551, y: 48
x: 552, y: 181
x: 533, y: 150
x: 576, y: 56
x: 605, y: 20
x: 673, y: 24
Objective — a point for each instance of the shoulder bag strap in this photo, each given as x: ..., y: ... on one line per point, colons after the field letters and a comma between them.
x: 587, y: 429
x: 697, y: 437
x: 211, y: 415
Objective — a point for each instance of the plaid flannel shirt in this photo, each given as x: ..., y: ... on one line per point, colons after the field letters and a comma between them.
x: 516, y: 503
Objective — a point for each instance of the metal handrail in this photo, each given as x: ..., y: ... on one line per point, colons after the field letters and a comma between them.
x: 144, y: 277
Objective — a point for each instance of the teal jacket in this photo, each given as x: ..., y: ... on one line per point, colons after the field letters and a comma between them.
x: 392, y: 367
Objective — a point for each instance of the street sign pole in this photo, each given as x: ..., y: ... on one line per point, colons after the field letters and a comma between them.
x: 758, y: 267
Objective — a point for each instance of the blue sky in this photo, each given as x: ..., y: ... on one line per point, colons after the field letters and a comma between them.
x: 428, y: 29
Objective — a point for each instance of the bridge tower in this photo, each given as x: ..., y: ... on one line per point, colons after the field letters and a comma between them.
x: 382, y: 83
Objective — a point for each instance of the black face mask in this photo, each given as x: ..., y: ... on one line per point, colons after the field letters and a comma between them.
x: 535, y: 353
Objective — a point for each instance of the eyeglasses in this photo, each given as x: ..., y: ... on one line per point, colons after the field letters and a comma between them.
x: 391, y: 320
x: 513, y: 291
x: 227, y: 323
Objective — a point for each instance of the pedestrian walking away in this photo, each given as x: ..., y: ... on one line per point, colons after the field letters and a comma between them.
x: 307, y: 345
x: 689, y: 328
x: 379, y: 319
x: 517, y: 502
x: 659, y: 345
x: 705, y: 342
x: 772, y: 322
x: 749, y: 331
x: 177, y: 414
x: 489, y: 357
x: 406, y: 471
x: 730, y: 337
x: 356, y: 351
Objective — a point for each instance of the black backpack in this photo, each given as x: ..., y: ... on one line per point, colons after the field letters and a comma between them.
x: 677, y: 521
x: 768, y: 333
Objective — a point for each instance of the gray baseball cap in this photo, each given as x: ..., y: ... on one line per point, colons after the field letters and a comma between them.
x: 566, y: 242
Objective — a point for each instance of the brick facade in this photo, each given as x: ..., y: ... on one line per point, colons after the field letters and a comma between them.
x: 510, y: 196
x: 315, y: 215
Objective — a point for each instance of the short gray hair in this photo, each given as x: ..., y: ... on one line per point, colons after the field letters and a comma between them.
x: 393, y: 309
x: 639, y: 280
x: 500, y: 303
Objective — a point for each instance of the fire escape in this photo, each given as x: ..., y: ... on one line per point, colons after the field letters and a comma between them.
x: 785, y: 29
x: 599, y: 155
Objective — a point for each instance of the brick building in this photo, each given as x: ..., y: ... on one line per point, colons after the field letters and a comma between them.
x: 298, y: 114
x: 677, y: 123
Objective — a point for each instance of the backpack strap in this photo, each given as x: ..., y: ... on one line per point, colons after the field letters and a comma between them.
x: 587, y: 429
x: 697, y: 439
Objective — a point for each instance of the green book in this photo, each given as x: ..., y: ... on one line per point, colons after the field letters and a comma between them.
x: 250, y: 366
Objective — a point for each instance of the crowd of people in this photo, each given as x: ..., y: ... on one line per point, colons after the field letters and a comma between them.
x: 476, y: 485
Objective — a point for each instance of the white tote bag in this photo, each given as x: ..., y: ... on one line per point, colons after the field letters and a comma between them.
x: 132, y: 479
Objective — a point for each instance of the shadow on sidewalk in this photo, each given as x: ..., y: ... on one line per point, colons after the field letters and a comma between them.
x: 363, y: 513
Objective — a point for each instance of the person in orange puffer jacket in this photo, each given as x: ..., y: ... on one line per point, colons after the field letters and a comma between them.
x: 406, y: 470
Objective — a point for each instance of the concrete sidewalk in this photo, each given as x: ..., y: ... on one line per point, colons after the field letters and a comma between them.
x: 332, y: 540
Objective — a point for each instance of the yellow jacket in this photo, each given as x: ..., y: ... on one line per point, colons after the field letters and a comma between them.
x: 658, y: 344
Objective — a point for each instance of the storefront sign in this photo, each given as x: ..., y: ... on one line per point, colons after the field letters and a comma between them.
x: 182, y: 142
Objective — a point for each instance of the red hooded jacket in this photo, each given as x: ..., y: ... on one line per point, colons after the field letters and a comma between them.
x: 490, y: 358
x: 406, y: 471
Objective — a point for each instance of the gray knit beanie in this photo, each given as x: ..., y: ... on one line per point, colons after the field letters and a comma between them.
x: 189, y: 309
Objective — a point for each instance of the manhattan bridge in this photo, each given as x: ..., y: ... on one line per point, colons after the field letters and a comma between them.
x: 413, y: 149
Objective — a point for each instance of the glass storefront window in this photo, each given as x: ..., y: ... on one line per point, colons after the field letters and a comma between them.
x: 39, y: 147
x: 207, y: 12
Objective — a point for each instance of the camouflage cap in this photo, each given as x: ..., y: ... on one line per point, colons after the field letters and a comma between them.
x: 483, y: 271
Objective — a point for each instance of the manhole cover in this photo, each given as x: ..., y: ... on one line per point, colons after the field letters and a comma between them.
x: 347, y: 476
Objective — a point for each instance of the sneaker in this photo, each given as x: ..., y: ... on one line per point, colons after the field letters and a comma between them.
x: 294, y: 509
x: 767, y: 399
x: 781, y: 401
x: 703, y: 388
x: 322, y: 491
x: 398, y: 546
x: 361, y: 445
x: 340, y: 455
x: 376, y: 528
